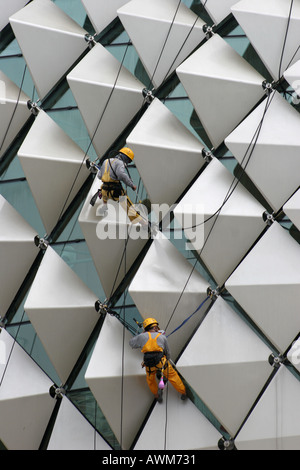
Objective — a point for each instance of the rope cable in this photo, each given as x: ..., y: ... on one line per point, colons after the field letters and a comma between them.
x: 15, y: 109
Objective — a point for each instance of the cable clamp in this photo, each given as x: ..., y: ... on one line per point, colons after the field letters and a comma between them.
x: 276, y: 361
x: 41, y: 243
x: 148, y: 95
x: 268, y: 87
x: 207, y: 155
x: 213, y: 293
x: 103, y: 309
x: 268, y: 218
x: 2, y: 324
x: 208, y: 30
x: 90, y: 40
x: 33, y: 107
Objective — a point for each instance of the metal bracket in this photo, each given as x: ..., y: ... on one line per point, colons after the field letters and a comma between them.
x: 41, y: 243
x: 57, y: 392
x: 268, y: 218
x: 208, y: 30
x: 90, y: 40
x: 207, y: 155
x: 226, y: 444
x: 275, y: 361
x: 148, y: 95
x: 268, y: 87
x: 213, y: 293
x: 33, y: 107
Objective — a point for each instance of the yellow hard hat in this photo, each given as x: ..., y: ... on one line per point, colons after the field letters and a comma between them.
x: 149, y: 322
x: 127, y: 151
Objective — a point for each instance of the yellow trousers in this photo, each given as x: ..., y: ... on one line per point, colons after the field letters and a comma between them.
x: 169, y: 372
x: 125, y: 203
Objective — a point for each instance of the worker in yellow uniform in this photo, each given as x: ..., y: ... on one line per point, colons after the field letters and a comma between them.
x: 154, y: 345
x: 112, y: 173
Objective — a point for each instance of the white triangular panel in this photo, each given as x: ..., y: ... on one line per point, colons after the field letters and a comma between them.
x: 292, y: 209
x: 177, y: 32
x: 13, y: 111
x: 114, y: 243
x: 274, y: 163
x: 273, y: 36
x: 100, y: 78
x: 179, y: 417
x: 216, y: 79
x: 118, y: 382
x: 54, y: 167
x: 226, y: 364
x: 266, y: 285
x: 293, y: 354
x: 292, y: 76
x: 8, y: 8
x: 43, y: 22
x: 25, y: 402
x: 274, y: 424
x: 62, y: 311
x: 102, y: 12
x: 165, y: 151
x: 217, y: 10
x: 73, y: 432
x: 167, y: 288
x: 225, y: 231
x: 17, y: 252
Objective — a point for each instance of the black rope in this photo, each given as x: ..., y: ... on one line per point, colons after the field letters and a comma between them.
x: 15, y: 109
x: 285, y: 39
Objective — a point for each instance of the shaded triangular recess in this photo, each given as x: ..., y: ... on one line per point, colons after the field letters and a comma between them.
x: 13, y: 111
x: 180, y: 416
x: 25, y: 402
x: 100, y: 78
x: 167, y: 288
x: 217, y: 10
x: 118, y: 382
x: 8, y: 8
x: 165, y: 151
x: 221, y: 219
x: 226, y: 364
x: 274, y: 163
x: 43, y: 22
x: 292, y: 209
x: 266, y: 285
x: 62, y: 311
x: 177, y: 32
x: 17, y: 252
x: 217, y: 79
x: 102, y: 12
x: 54, y: 167
x: 73, y: 432
x: 274, y: 424
x: 266, y: 25
x: 114, y: 242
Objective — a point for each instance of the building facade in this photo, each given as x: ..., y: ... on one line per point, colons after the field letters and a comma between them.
x: 205, y: 93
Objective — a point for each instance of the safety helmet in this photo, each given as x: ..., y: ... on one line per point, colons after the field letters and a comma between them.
x: 128, y: 152
x: 149, y: 322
